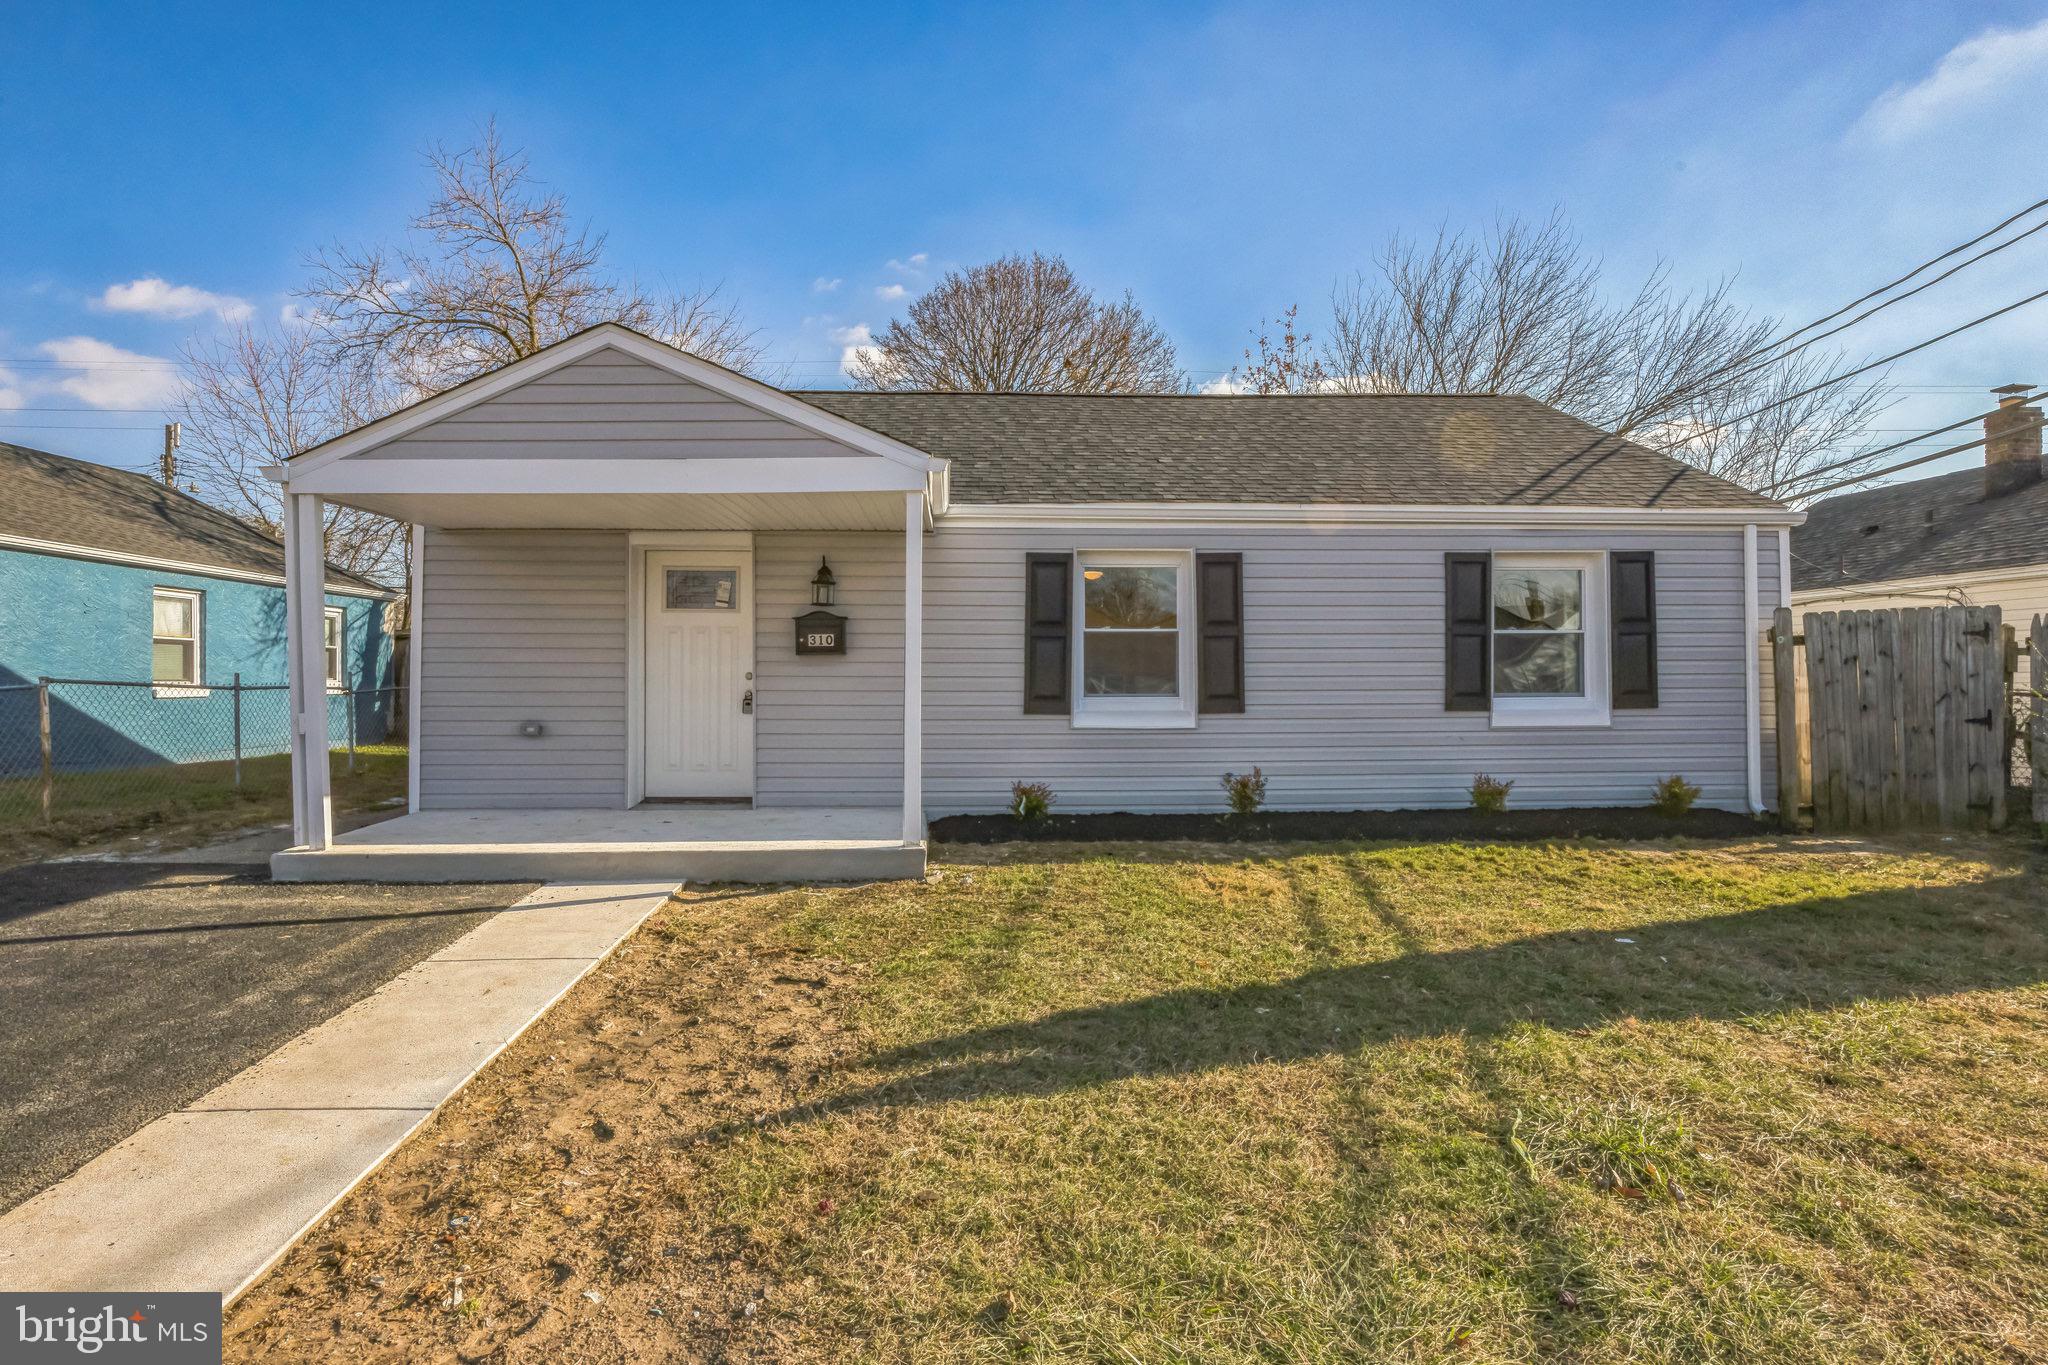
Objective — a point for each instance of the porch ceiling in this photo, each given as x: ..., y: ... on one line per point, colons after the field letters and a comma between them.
x: 848, y: 511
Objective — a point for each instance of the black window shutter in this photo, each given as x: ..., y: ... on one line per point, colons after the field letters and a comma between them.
x: 1219, y: 605
x: 1468, y: 632
x: 1632, y: 586
x: 1048, y: 633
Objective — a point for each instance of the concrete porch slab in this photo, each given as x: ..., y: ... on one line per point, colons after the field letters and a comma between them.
x: 675, y: 843
x: 209, y: 1197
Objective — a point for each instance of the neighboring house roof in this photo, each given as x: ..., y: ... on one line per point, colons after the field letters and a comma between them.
x: 55, y: 501
x: 1420, y: 449
x: 1923, y: 529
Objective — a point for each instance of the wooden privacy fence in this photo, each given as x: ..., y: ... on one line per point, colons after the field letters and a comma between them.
x: 2037, y: 710
x: 1907, y: 717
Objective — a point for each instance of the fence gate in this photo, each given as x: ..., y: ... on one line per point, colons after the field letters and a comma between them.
x: 1907, y: 716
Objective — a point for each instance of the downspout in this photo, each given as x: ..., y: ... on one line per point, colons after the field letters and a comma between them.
x: 1752, y: 683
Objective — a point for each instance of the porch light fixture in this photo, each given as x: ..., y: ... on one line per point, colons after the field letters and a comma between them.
x: 822, y: 584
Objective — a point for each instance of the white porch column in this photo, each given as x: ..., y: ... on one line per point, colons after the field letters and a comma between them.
x: 913, y: 667
x: 415, y: 616
x: 305, y: 595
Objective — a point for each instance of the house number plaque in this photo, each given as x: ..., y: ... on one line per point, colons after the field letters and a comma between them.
x: 820, y: 632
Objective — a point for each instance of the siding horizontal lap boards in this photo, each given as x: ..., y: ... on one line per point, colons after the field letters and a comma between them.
x: 828, y: 728
x: 1343, y: 642
x: 525, y: 625
x: 607, y: 405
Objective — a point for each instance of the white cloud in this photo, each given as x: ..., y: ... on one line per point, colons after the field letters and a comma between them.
x: 1227, y: 384
x: 823, y: 285
x: 13, y: 390
x: 109, y: 377
x: 890, y: 291
x: 854, y: 342
x: 1995, y: 62
x: 911, y: 264
x: 161, y: 299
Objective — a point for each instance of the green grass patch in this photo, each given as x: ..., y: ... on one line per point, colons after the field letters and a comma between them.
x: 181, y: 802
x: 1649, y: 1103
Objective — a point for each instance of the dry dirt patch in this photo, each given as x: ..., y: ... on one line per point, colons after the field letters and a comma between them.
x: 546, y: 1213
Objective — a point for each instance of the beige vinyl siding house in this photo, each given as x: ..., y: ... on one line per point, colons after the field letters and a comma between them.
x: 1976, y: 537
x: 663, y: 608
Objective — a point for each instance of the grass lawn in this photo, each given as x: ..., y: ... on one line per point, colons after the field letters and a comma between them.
x: 176, y: 803
x: 1777, y: 1100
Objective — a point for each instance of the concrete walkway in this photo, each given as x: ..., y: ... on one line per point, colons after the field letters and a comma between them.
x: 209, y: 1197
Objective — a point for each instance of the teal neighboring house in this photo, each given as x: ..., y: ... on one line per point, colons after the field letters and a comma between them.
x: 149, y: 603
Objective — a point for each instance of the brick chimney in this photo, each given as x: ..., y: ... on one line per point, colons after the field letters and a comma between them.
x: 2012, y: 442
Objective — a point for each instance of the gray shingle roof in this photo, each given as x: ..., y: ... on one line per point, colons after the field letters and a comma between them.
x: 75, y: 502
x: 1922, y: 529
x: 1482, y: 450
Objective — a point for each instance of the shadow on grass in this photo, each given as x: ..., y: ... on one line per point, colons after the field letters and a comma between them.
x: 1879, y: 945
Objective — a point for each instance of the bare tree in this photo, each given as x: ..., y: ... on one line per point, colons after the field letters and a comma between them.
x: 1020, y: 324
x: 258, y: 398
x: 1522, y: 310
x: 495, y: 270
x: 1283, y: 366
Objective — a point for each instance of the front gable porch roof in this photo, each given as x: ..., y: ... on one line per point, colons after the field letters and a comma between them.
x: 752, y: 393
x: 611, y: 428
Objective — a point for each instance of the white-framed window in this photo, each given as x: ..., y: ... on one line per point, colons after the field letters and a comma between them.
x: 177, y: 635
x: 333, y: 642
x: 1134, y: 661
x: 1550, y: 639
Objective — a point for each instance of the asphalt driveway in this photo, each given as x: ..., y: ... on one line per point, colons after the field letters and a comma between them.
x: 130, y: 989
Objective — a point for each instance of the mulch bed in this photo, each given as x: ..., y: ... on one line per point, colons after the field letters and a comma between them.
x: 1584, y: 822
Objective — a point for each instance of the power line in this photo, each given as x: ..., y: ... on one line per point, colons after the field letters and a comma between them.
x: 59, y: 426
x: 1869, y: 312
x: 1914, y: 440
x: 1937, y: 260
x: 1866, y: 369
x: 1868, y: 475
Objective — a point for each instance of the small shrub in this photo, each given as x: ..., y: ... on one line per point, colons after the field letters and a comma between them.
x: 1674, y: 796
x: 1490, y: 794
x: 1246, y: 792
x: 1029, y: 802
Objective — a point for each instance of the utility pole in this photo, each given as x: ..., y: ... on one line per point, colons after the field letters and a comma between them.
x: 169, y: 469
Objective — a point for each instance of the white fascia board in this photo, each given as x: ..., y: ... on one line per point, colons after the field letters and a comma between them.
x: 569, y: 477
x: 52, y: 547
x: 1356, y: 514
x: 1929, y: 583
x: 762, y: 397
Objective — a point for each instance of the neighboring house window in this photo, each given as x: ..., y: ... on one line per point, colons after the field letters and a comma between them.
x: 335, y: 633
x: 176, y: 630
x: 1550, y: 639
x: 1135, y: 664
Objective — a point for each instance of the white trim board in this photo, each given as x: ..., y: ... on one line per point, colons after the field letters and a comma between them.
x: 275, y: 580
x: 575, y: 475
x: 1356, y: 514
x: 611, y: 335
x: 1930, y: 584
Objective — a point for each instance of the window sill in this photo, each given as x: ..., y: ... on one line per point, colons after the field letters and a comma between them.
x: 1576, y: 716
x: 172, y: 691
x: 1134, y: 720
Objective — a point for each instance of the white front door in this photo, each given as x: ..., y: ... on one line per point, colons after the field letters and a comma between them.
x: 700, y: 673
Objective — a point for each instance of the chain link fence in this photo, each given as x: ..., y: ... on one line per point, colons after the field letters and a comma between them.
x: 92, y: 747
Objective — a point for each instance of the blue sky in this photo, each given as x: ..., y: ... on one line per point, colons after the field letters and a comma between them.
x: 1219, y: 161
